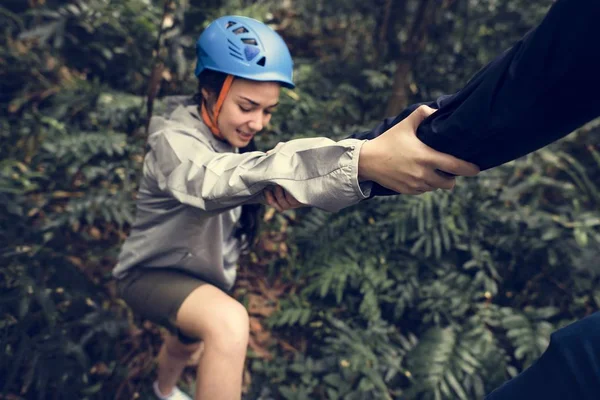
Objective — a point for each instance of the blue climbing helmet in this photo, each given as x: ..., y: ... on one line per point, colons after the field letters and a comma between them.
x: 246, y: 48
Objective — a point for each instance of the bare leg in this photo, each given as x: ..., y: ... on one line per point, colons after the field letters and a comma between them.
x: 173, y: 357
x: 223, y: 325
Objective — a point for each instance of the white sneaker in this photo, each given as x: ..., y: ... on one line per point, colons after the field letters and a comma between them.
x: 175, y: 394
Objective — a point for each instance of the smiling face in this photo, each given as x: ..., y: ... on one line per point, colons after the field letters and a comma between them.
x: 246, y: 110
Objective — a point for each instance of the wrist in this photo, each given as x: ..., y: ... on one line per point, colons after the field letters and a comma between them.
x: 366, y: 161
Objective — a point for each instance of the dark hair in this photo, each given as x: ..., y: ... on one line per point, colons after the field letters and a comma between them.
x: 212, y: 81
x: 249, y: 223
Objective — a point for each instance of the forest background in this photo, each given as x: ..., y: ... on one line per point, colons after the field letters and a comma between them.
x: 440, y: 296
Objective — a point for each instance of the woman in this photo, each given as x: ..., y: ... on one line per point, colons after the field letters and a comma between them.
x: 180, y: 259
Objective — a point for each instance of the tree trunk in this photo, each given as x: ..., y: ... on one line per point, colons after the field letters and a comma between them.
x: 399, y: 97
x: 410, y: 49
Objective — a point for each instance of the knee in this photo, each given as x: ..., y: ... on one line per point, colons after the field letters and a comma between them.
x: 230, y: 329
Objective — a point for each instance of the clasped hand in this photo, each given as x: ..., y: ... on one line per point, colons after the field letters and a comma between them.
x: 399, y: 161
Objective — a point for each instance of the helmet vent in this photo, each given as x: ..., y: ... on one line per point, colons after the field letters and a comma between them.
x: 234, y: 50
x: 240, y: 30
x: 230, y: 24
x: 250, y: 41
x: 235, y: 53
x: 261, y: 62
x: 233, y: 44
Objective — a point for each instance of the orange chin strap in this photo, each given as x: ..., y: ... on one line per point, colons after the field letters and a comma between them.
x: 206, y: 117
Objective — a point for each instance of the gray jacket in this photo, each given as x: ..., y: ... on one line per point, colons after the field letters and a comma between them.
x: 193, y: 184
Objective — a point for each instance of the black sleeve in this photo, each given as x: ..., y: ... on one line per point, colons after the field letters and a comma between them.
x: 539, y: 90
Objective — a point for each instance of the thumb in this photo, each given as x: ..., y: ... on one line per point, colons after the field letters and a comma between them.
x: 417, y: 116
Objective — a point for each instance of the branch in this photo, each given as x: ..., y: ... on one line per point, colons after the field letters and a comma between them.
x: 157, y: 69
x: 386, y: 19
x: 418, y: 31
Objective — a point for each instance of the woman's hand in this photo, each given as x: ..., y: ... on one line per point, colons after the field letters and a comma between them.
x: 398, y: 160
x: 281, y: 200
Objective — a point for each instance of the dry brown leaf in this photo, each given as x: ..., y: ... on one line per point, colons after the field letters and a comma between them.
x: 272, y: 292
x: 260, y: 351
x: 258, y: 305
x: 76, y: 261
x: 269, y: 245
x: 287, y: 346
x: 95, y: 233
x: 255, y: 325
x: 100, y: 369
x: 283, y: 250
x: 61, y: 194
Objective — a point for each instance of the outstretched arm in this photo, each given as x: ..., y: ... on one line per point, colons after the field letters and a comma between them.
x: 317, y: 172
x: 396, y: 161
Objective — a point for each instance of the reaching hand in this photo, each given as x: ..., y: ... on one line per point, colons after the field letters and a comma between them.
x: 398, y: 160
x: 281, y: 200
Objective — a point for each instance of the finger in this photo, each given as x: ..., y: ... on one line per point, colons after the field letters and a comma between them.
x: 442, y: 161
x: 416, y: 192
x: 291, y: 200
x: 269, y: 197
x: 444, y: 174
x: 438, y: 181
x: 271, y: 200
x: 419, y: 186
x: 416, y: 117
x: 425, y: 187
x: 297, y: 204
x: 280, y: 197
x: 452, y: 165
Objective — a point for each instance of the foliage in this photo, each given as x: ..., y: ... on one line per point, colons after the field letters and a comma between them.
x: 442, y: 296
x: 68, y: 172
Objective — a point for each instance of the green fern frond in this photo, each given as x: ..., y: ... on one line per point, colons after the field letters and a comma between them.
x: 528, y: 331
x: 332, y: 276
x: 292, y: 312
x: 440, y: 363
x: 98, y: 206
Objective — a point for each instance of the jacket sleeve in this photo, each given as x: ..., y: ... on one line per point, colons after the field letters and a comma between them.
x: 317, y: 171
x: 534, y: 93
x: 538, y: 91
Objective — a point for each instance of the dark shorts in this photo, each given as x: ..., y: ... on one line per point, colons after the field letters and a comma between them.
x: 156, y: 294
